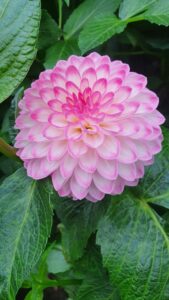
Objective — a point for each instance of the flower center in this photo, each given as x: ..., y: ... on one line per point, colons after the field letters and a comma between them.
x: 82, y: 104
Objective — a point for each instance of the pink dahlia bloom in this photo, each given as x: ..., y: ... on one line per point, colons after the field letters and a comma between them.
x: 91, y: 124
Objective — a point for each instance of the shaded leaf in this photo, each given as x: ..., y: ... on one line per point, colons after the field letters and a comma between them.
x: 79, y: 220
x: 158, y: 13
x: 60, y: 50
x: 19, y: 26
x: 135, y: 249
x: 129, y: 8
x: 25, y: 224
x: 86, y: 12
x: 49, y: 31
x: 98, y: 31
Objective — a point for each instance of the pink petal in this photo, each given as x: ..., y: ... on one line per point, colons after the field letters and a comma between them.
x: 84, y: 84
x: 72, y: 74
x: 74, y: 131
x: 65, y: 190
x: 58, y: 80
x: 114, y: 84
x: 122, y: 94
x: 60, y: 94
x: 57, y: 150
x: 127, y: 152
x: 83, y: 178
x: 107, y: 168
x: 51, y: 132
x: 47, y: 94
x: 127, y: 171
x: 103, y: 71
x: 58, y: 120
x: 104, y: 185
x: 90, y: 75
x: 67, y: 166
x: 55, y: 105
x: 136, y: 81
x: 86, y: 64
x: 41, y: 115
x: 72, y: 88
x: 95, y: 193
x: 88, y: 161
x: 109, y: 149
x: 77, y: 148
x: 77, y: 190
x: 100, y: 85
x: 36, y: 133
x: 58, y: 180
x: 93, y: 140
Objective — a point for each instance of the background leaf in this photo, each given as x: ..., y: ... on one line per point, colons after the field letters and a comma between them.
x: 25, y: 224
x: 98, y: 31
x: 129, y: 8
x: 86, y: 12
x: 135, y: 249
x: 49, y: 31
x: 60, y: 50
x: 79, y: 220
x: 158, y: 13
x: 19, y: 26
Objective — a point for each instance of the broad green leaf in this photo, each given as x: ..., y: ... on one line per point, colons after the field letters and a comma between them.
x: 158, y: 13
x: 60, y: 50
x: 129, y: 8
x: 25, y: 224
x: 13, y: 113
x: 135, y: 249
x: 79, y: 220
x: 56, y: 261
x: 19, y: 26
x: 154, y: 187
x: 139, y: 244
x: 95, y: 284
x: 86, y: 12
x: 99, y: 31
x: 49, y: 31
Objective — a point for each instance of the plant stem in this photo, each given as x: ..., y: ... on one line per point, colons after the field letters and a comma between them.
x: 60, y: 14
x: 136, y: 19
x: 7, y: 150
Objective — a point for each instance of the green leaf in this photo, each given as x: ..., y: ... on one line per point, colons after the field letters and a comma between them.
x: 19, y: 26
x: 135, y: 249
x: 56, y: 261
x: 96, y: 284
x: 129, y: 8
x: 138, y: 245
x: 35, y: 294
x: 98, y: 31
x: 13, y: 113
x: 158, y: 13
x: 49, y: 31
x: 154, y: 187
x: 25, y: 217
x: 60, y: 50
x: 67, y: 2
x: 86, y: 12
x: 79, y: 220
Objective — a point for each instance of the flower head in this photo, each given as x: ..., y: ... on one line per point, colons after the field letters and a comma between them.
x: 91, y: 124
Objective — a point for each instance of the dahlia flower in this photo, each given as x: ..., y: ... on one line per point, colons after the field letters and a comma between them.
x: 90, y: 124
